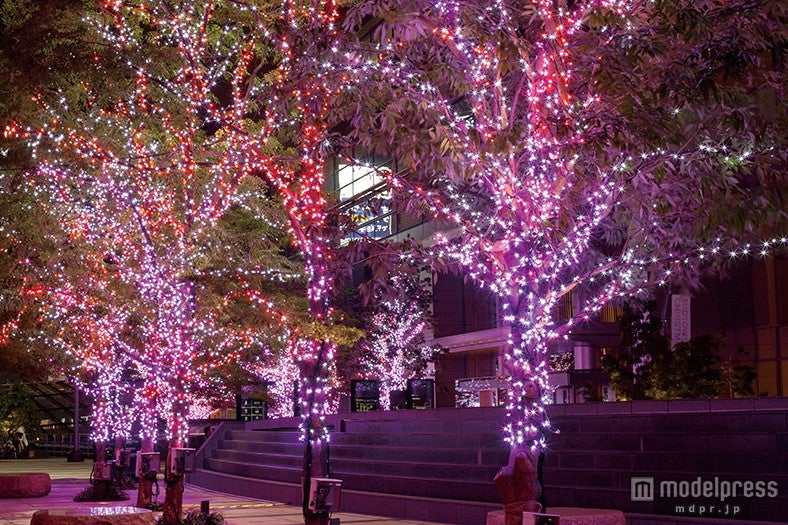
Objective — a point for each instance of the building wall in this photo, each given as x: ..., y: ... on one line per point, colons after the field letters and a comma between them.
x: 460, y: 307
x: 750, y: 307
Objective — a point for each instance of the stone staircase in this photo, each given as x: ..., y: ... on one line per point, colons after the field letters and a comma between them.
x: 431, y: 465
x: 438, y: 465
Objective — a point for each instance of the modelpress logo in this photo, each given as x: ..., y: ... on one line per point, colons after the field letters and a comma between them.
x: 642, y: 489
x: 702, y: 497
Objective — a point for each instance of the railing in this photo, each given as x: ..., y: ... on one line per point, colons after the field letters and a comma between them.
x: 62, y: 444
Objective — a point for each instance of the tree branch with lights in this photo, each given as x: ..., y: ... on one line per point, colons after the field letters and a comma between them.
x: 559, y: 152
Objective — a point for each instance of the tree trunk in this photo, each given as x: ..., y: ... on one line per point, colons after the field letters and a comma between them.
x: 119, y: 444
x: 173, y: 497
x: 318, y: 469
x: 313, y: 396
x: 526, y: 423
x: 117, y: 472
x: 100, y: 486
x: 145, y: 488
x: 518, y: 485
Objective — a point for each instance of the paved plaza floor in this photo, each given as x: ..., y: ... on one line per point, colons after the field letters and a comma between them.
x: 68, y: 479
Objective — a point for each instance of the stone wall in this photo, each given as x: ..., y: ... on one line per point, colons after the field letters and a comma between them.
x: 680, y: 445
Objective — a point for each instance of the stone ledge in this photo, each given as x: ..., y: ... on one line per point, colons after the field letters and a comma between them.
x: 26, y: 485
x: 571, y: 516
x: 94, y: 516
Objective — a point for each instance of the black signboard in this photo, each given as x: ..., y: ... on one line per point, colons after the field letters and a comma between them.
x: 250, y: 409
x: 364, y: 395
x: 421, y: 393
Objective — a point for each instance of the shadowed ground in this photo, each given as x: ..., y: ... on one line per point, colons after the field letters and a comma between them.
x: 68, y: 479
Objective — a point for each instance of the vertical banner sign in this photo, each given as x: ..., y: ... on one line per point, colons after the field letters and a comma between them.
x: 680, y: 318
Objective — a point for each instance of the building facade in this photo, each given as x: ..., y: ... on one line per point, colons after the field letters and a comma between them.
x: 748, y: 307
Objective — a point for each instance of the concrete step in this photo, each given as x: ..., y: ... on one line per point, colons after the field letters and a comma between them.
x: 256, y: 458
x: 364, y: 458
x: 264, y: 436
x: 653, y: 461
x: 436, y: 453
x: 721, y: 443
x: 398, y: 468
x: 436, y: 488
x: 287, y: 449
x: 662, y: 424
x: 284, y: 474
x: 417, y: 483
x: 467, y: 512
x: 454, y: 454
x: 471, y: 456
x: 439, y: 426
x: 438, y: 441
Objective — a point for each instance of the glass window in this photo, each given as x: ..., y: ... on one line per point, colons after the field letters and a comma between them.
x: 366, y: 185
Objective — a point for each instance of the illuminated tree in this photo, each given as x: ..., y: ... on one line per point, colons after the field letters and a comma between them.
x: 584, y: 149
x: 295, y: 102
x: 138, y: 186
x: 88, y: 333
x: 223, y: 90
x: 35, y: 39
x: 394, y: 349
x: 280, y: 373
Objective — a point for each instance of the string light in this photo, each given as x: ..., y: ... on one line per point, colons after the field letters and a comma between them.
x: 519, y: 213
x: 138, y: 187
x: 394, y: 350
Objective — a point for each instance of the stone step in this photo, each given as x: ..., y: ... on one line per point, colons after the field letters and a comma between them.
x: 285, y: 474
x: 264, y: 436
x: 288, y: 449
x: 454, y: 454
x: 642, y: 442
x: 438, y: 426
x: 438, y: 440
x: 474, y: 456
x: 363, y: 454
x: 256, y: 458
x: 465, y: 512
x: 434, y: 440
x: 473, y: 449
x: 720, y: 423
x: 398, y: 468
x: 676, y: 462
x: 421, y: 486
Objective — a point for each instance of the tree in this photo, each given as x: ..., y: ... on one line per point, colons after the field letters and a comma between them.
x: 221, y: 91
x: 138, y: 186
x: 564, y: 148
x: 40, y: 41
x: 394, y: 349
x: 293, y: 110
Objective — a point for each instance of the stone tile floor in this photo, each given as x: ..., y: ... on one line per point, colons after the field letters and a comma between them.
x: 68, y: 479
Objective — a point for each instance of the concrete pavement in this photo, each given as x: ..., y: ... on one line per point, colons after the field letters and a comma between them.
x: 68, y: 479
